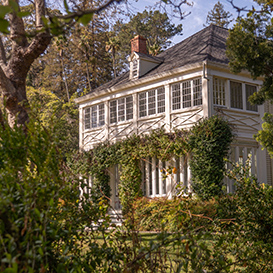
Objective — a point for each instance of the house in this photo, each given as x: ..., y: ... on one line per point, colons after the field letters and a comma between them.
x: 175, y: 89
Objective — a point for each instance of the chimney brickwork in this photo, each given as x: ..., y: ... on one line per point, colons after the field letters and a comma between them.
x: 138, y: 44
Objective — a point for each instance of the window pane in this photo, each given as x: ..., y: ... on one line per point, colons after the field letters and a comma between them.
x: 186, y: 91
x: 197, y: 92
x: 129, y: 107
x: 151, y: 102
x: 101, y: 115
x: 142, y: 104
x: 250, y: 90
x: 87, y: 124
x: 113, y: 111
x: 160, y: 100
x: 94, y: 118
x: 135, y: 68
x: 176, y: 96
x: 236, y: 96
x: 121, y: 109
x: 219, y: 93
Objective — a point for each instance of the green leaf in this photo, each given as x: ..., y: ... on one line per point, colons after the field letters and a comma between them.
x: 4, y: 10
x: 86, y: 18
x: 22, y: 14
x: 14, y: 5
x: 4, y: 24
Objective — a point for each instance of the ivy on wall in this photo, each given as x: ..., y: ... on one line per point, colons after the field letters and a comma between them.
x: 208, y: 143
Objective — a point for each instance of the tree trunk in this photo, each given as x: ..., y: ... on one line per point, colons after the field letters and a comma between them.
x: 13, y: 72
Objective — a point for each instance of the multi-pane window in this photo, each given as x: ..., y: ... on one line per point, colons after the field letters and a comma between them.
x: 219, y: 92
x: 151, y: 102
x: 135, y: 68
x: 236, y: 95
x: 94, y: 116
x: 197, y: 91
x: 250, y: 90
x: 121, y: 109
x: 187, y: 94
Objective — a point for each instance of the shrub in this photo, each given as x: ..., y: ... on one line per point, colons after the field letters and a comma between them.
x: 209, y: 141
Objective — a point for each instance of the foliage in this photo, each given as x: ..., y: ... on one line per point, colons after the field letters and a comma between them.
x: 209, y: 141
x: 41, y: 223
x: 161, y: 214
x: 57, y: 115
x: 218, y: 16
x: 249, y: 47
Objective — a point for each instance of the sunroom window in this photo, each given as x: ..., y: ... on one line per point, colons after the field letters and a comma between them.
x: 236, y: 95
x: 250, y: 90
x: 121, y: 109
x: 94, y: 116
x: 151, y: 102
x: 219, y: 92
x: 187, y: 94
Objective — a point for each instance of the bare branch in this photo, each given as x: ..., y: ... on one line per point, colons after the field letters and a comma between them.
x: 81, y: 12
x: 3, y: 59
x: 37, y: 46
x: 17, y: 29
x: 40, y: 8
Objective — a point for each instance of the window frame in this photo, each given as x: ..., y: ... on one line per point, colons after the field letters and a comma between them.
x: 94, y: 115
x: 151, y: 102
x: 121, y: 109
x: 186, y: 94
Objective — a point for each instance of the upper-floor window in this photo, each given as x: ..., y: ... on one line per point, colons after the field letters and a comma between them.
x: 250, y: 90
x: 187, y: 94
x: 151, y: 102
x: 135, y: 68
x: 121, y: 109
x: 219, y: 92
x: 94, y: 116
x: 236, y: 95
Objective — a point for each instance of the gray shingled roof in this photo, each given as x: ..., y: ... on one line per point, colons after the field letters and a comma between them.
x: 207, y: 44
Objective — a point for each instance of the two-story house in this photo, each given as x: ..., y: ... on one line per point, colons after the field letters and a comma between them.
x: 180, y: 86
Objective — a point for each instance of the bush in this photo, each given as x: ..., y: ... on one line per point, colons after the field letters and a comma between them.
x: 209, y: 140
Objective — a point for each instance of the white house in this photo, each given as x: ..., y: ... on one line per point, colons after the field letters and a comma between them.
x: 185, y: 83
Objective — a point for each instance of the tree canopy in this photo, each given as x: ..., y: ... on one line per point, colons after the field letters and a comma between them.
x: 218, y: 16
x: 250, y: 47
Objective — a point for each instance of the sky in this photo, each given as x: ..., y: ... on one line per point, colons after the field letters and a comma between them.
x: 195, y: 21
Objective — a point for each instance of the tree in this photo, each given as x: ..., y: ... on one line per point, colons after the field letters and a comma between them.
x: 155, y: 26
x: 218, y: 16
x: 250, y: 47
x: 27, y: 47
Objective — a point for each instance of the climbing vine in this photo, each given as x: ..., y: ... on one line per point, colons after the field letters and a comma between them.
x: 129, y: 153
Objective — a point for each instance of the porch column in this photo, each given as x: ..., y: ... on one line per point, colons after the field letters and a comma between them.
x: 135, y: 113
x: 167, y: 107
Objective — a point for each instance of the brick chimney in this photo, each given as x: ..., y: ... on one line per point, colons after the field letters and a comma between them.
x: 138, y: 44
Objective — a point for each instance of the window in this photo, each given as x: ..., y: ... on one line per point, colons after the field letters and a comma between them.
x: 219, y: 92
x: 187, y: 94
x: 236, y: 95
x: 121, y: 109
x: 197, y: 92
x: 94, y: 116
x: 151, y: 102
x: 250, y: 90
x: 135, y: 69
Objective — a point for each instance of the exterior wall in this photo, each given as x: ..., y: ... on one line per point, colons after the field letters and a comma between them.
x: 246, y: 123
